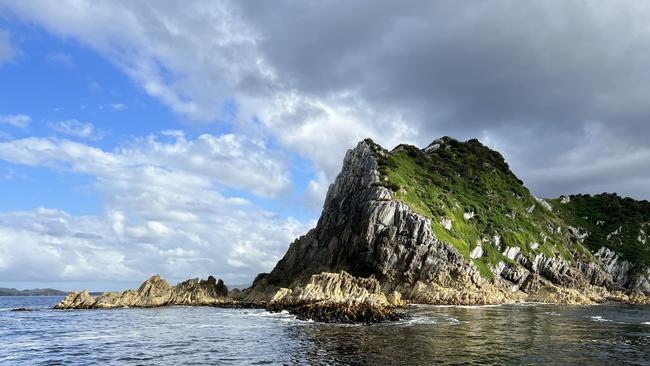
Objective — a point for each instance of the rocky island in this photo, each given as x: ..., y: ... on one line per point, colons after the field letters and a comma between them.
x: 447, y: 224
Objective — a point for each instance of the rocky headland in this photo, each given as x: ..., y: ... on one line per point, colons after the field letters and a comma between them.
x: 447, y: 224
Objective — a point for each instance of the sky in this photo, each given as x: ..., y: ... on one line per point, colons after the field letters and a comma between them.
x: 189, y: 139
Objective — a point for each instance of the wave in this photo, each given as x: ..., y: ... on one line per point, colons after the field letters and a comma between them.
x: 467, y: 306
x: 599, y: 318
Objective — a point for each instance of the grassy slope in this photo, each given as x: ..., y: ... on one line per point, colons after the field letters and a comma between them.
x: 463, y: 177
x: 602, y: 215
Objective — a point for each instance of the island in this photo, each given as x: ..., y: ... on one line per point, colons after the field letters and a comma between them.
x: 34, y: 292
x: 447, y: 224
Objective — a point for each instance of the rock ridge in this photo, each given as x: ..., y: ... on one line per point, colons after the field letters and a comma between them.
x: 154, y: 292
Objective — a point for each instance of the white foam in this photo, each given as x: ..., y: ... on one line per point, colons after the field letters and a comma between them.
x: 419, y: 320
x: 599, y: 318
x: 467, y: 306
x: 645, y: 323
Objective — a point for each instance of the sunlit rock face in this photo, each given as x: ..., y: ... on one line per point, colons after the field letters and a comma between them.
x: 153, y: 292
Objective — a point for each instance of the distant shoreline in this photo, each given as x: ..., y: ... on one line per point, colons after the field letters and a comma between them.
x: 33, y: 292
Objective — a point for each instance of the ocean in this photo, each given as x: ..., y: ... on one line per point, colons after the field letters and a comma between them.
x: 475, y: 335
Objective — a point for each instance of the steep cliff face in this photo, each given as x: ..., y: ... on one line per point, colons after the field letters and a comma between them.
x: 446, y: 224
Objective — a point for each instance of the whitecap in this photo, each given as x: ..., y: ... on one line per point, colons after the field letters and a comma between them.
x: 529, y: 303
x: 468, y: 306
x: 599, y: 318
x: 417, y: 320
x: 645, y: 323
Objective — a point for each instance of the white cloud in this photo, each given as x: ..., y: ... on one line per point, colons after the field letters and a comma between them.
x: 402, y: 73
x: 16, y: 120
x: 6, y: 49
x: 164, y: 212
x: 316, y: 191
x: 74, y: 127
x: 152, y: 48
x: 228, y: 159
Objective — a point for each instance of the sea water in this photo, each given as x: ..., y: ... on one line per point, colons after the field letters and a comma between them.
x: 507, y: 334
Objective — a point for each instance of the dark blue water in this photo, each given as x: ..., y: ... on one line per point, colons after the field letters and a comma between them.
x: 509, y: 334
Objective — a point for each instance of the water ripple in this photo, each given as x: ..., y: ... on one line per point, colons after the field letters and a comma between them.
x: 506, y: 334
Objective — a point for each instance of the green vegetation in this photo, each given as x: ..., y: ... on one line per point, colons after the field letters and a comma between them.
x: 624, y: 220
x: 452, y: 178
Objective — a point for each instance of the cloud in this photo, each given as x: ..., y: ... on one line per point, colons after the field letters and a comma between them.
x: 230, y: 160
x: 16, y: 120
x: 164, y: 212
x: 228, y: 241
x: 74, y: 127
x: 7, y: 51
x: 316, y: 191
x: 532, y: 75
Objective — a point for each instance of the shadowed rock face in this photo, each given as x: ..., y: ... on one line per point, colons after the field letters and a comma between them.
x: 152, y: 293
x: 364, y: 231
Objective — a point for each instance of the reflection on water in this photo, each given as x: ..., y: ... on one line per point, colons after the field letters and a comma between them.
x: 512, y: 334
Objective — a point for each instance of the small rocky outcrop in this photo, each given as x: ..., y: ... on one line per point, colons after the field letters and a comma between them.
x: 22, y: 309
x: 338, y: 297
x: 333, y: 312
x: 340, y: 288
x: 153, y: 292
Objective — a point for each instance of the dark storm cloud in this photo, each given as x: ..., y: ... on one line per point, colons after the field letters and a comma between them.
x: 561, y: 88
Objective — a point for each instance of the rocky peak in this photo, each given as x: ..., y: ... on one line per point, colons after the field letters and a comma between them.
x: 154, y: 286
x: 450, y: 218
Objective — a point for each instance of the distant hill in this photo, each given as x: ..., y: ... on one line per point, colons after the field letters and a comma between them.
x: 34, y: 292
